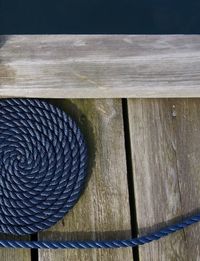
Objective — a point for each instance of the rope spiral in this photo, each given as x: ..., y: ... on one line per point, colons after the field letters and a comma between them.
x: 43, y: 164
x: 43, y: 159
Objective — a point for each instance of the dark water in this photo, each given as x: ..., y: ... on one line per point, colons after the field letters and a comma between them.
x: 99, y: 16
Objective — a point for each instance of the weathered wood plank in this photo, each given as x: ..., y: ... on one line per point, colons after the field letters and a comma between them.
x: 8, y: 254
x: 103, y: 210
x: 85, y: 66
x: 165, y: 153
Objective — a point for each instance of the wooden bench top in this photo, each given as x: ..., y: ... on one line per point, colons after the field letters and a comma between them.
x: 100, y: 66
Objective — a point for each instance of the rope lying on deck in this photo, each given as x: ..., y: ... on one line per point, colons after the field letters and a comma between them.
x: 43, y: 161
x: 42, y: 165
x: 101, y: 244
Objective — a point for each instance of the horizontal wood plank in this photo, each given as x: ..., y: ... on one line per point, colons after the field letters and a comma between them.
x: 91, y: 66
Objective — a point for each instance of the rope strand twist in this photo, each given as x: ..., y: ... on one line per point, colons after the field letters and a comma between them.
x: 43, y: 159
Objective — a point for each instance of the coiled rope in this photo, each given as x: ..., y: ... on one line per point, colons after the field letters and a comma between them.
x: 42, y: 165
x: 43, y: 161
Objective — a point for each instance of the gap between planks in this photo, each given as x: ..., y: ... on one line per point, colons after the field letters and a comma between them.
x: 103, y: 211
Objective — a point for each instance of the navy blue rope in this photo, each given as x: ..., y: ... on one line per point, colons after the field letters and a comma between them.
x: 102, y: 244
x: 43, y: 161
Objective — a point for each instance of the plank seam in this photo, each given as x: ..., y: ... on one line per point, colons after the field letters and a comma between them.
x: 34, y: 252
x: 129, y: 167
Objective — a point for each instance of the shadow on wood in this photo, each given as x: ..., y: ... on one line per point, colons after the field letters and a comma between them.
x: 85, y: 126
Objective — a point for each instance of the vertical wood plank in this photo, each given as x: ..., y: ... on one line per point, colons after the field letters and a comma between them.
x: 165, y: 142
x: 8, y: 254
x: 103, y: 210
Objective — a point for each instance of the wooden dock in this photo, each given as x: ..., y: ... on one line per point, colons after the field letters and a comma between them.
x: 144, y: 170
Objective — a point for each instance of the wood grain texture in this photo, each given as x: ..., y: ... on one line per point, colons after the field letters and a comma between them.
x: 165, y: 141
x: 91, y: 66
x: 8, y: 254
x: 103, y: 210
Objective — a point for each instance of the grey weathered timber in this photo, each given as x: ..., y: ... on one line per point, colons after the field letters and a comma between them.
x: 165, y: 142
x: 103, y: 210
x: 9, y: 254
x: 91, y: 66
